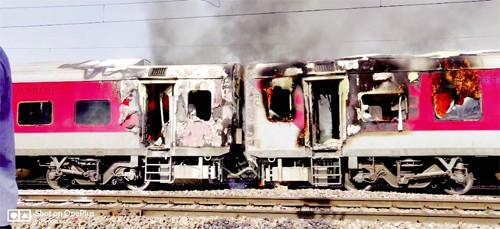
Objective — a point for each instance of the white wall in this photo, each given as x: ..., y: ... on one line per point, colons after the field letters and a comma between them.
x: 213, y: 31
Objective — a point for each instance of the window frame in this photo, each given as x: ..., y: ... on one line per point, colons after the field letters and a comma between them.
x: 438, y: 82
x: 91, y: 124
x: 33, y: 102
x: 443, y: 119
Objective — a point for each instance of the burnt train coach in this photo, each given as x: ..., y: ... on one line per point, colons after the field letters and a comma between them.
x: 403, y: 121
x: 421, y: 121
x: 406, y: 121
x: 125, y: 121
x: 295, y: 121
x: 192, y: 122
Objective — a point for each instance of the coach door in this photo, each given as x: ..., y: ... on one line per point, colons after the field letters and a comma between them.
x: 327, y: 112
x: 157, y: 107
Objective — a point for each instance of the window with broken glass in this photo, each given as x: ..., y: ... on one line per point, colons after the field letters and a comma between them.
x: 383, y: 107
x: 200, y: 104
x: 456, y: 95
x: 92, y: 112
x: 34, y: 113
x: 384, y: 97
x: 278, y: 101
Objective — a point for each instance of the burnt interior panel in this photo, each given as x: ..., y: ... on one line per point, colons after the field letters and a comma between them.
x: 326, y: 109
x: 157, y: 113
x: 380, y: 107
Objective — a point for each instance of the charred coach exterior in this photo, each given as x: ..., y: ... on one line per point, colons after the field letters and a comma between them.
x: 423, y: 120
x: 295, y: 121
x: 403, y: 121
x: 406, y: 121
x: 192, y: 121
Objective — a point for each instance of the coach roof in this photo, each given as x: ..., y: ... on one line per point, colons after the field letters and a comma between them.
x: 425, y: 62
x: 92, y: 70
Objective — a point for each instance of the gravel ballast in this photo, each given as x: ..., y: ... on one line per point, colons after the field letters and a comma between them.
x: 98, y: 221
x: 222, y: 222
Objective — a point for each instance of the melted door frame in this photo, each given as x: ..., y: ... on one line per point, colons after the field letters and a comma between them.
x: 311, y: 103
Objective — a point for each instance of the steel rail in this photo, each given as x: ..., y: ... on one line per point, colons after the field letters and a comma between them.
x: 448, y: 210
x: 440, y: 204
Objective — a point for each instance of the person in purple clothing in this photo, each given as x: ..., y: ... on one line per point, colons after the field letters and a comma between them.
x: 8, y: 185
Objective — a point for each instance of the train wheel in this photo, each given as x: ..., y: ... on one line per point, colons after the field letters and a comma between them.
x: 138, y: 185
x: 138, y: 181
x: 349, y: 184
x: 56, y: 181
x: 459, y: 187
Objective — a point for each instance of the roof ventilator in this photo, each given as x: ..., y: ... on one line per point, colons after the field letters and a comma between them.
x: 157, y: 71
x: 324, y: 67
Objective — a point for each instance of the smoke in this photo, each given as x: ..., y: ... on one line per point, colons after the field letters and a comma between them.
x: 222, y: 39
x: 311, y: 33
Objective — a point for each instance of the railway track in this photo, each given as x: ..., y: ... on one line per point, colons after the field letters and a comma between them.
x: 418, y: 210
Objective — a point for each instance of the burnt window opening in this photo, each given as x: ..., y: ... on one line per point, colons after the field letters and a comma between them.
x: 456, y: 95
x: 200, y: 104
x: 92, y: 112
x: 277, y: 99
x: 470, y: 109
x: 383, y: 107
x: 34, y: 113
x: 280, y: 104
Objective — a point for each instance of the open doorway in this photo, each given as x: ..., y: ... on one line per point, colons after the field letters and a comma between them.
x: 326, y: 111
x: 157, y: 131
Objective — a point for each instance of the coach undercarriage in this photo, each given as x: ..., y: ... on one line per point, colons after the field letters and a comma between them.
x: 197, y: 166
x: 171, y: 170
x: 320, y: 171
x: 138, y: 172
x: 63, y: 172
x: 451, y: 174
